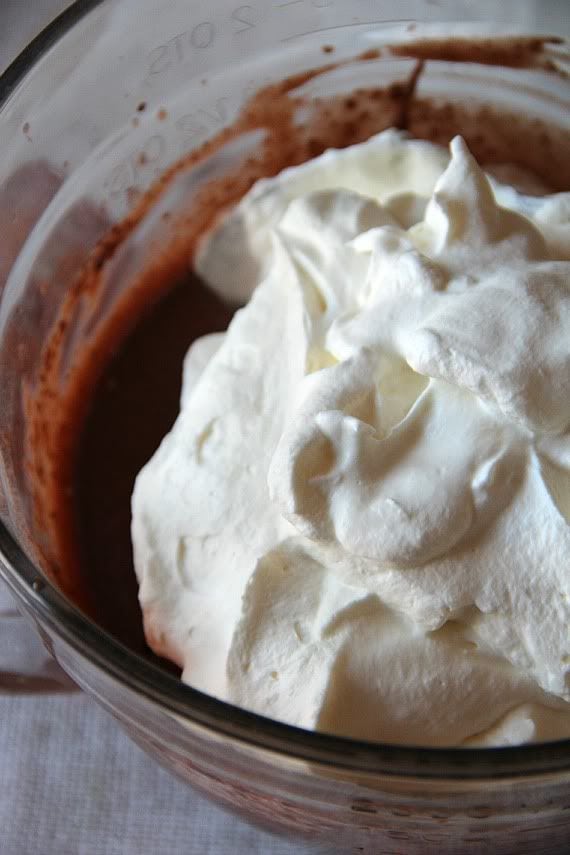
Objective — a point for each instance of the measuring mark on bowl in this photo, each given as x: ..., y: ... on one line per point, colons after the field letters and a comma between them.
x: 345, y: 27
x: 182, y: 46
x: 149, y: 156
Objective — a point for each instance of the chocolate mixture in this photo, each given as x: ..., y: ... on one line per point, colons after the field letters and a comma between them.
x: 134, y: 406
x: 93, y: 420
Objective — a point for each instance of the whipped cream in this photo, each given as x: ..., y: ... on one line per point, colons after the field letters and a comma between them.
x: 360, y: 520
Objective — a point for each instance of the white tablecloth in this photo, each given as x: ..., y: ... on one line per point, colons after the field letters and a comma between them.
x: 72, y: 783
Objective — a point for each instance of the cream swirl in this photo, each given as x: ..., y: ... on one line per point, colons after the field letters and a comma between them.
x: 360, y: 521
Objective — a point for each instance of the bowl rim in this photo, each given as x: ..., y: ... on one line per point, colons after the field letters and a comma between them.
x: 54, y: 611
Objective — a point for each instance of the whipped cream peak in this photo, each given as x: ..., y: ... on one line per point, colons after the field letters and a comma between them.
x: 361, y: 519
x: 469, y: 231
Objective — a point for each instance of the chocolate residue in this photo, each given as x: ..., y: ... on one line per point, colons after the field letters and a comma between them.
x: 508, y: 52
x: 58, y: 402
x: 22, y: 199
x: 508, y: 137
x: 406, y: 96
x: 371, y: 54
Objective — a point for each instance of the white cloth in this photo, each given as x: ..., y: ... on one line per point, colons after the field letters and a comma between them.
x: 72, y: 783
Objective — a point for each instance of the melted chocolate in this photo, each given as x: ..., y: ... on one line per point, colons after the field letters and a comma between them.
x: 134, y: 406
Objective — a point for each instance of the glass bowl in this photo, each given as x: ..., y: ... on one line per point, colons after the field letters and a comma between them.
x: 98, y: 106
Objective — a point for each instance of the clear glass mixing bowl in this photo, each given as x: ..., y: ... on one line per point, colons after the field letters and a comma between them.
x: 99, y: 105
